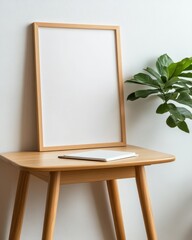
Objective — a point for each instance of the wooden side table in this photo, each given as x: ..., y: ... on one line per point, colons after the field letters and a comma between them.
x: 47, y: 166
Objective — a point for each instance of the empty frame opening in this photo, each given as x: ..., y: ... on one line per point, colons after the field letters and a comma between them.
x: 80, y: 100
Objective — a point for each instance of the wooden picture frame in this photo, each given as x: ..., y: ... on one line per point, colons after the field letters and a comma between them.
x: 80, y: 100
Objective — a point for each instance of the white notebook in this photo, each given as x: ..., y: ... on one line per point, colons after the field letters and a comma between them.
x: 100, y: 155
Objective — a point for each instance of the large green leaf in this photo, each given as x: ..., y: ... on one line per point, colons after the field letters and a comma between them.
x: 183, y: 126
x: 178, y: 81
x: 171, y: 106
x: 162, y: 64
x: 146, y: 92
x: 164, y: 60
x: 134, y: 81
x: 177, y: 114
x: 185, y: 112
x: 188, y: 68
x: 183, y: 98
x: 180, y: 89
x: 182, y: 66
x: 163, y: 108
x: 141, y: 94
x: 171, y: 122
x: 186, y: 75
x: 153, y: 72
x: 171, y: 82
x: 182, y: 84
x: 162, y: 70
x: 168, y: 96
x: 144, y: 79
x: 171, y: 69
x: 132, y: 97
x: 185, y: 81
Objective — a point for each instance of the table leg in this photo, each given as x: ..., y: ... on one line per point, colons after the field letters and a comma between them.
x: 145, y: 203
x: 116, y: 209
x: 51, y: 205
x: 19, y: 206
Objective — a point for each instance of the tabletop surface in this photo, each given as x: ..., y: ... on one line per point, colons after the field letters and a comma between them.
x: 49, y: 161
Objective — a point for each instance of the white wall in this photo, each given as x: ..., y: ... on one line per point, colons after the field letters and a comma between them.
x: 148, y: 28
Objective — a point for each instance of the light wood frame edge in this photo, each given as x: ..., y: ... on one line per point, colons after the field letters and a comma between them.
x: 38, y: 87
x: 41, y: 146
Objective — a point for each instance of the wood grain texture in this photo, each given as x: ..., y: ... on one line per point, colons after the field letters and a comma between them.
x: 93, y: 175
x: 145, y: 203
x: 49, y: 161
x: 83, y: 146
x: 121, y: 87
x: 19, y: 206
x: 51, y: 206
x: 38, y: 86
x: 78, y: 26
x: 116, y: 209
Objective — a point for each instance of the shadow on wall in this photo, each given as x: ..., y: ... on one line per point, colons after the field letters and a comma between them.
x: 7, y: 189
x: 177, y: 222
x: 28, y: 137
x: 81, y: 207
x: 104, y: 213
x: 183, y: 214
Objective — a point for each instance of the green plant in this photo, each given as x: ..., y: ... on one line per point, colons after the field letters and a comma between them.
x: 172, y: 83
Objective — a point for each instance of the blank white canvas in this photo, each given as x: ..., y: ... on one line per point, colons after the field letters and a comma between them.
x: 79, y: 86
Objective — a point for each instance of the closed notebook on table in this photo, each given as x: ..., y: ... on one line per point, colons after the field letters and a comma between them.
x: 99, y: 155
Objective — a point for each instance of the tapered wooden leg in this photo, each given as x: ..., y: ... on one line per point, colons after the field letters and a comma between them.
x: 145, y: 203
x: 116, y: 209
x: 51, y: 206
x: 19, y: 206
